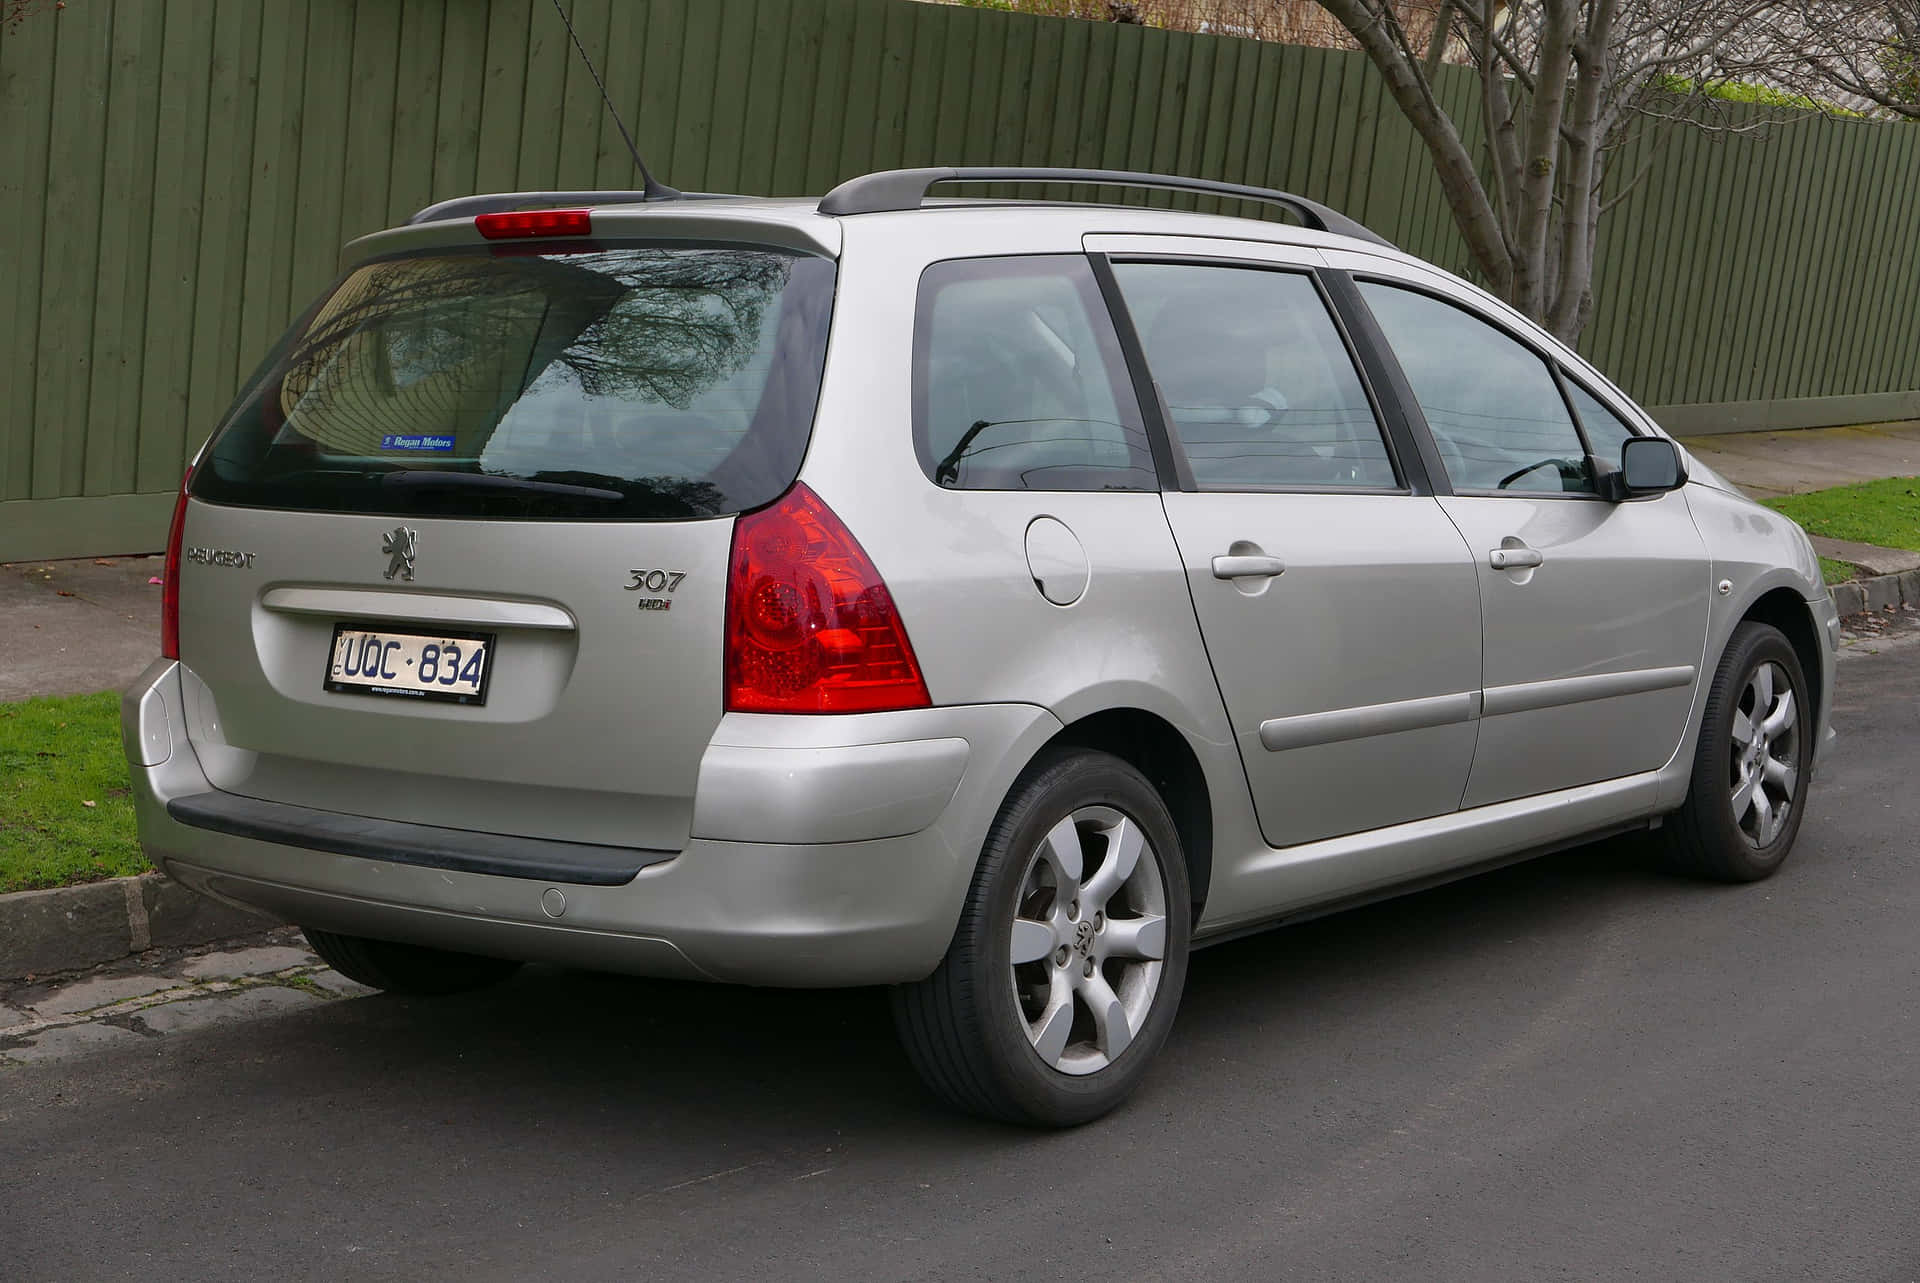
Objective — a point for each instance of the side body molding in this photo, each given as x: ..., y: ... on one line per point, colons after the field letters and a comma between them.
x: 1339, y: 724
x: 1526, y: 696
x: 1280, y: 733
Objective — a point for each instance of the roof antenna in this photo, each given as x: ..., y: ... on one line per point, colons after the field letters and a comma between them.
x: 654, y: 189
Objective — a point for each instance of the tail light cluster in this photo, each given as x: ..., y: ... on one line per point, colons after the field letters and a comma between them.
x: 170, y: 576
x: 810, y: 626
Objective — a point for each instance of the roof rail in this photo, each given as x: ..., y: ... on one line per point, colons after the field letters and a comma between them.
x: 468, y: 206
x: 899, y: 189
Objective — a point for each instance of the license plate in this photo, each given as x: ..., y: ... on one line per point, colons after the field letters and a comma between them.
x: 451, y: 667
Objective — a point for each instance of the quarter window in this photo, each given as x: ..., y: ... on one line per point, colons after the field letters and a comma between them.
x: 1493, y: 407
x: 1605, y: 431
x: 1257, y: 382
x: 1018, y: 381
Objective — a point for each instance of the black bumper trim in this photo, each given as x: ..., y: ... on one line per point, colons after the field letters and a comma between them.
x: 427, y: 845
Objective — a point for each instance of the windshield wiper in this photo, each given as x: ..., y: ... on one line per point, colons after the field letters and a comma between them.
x: 432, y: 479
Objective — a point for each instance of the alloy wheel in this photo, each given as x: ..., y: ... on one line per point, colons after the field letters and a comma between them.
x: 1089, y: 940
x: 1765, y: 769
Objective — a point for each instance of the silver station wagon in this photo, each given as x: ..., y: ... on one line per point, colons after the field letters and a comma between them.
x: 989, y: 599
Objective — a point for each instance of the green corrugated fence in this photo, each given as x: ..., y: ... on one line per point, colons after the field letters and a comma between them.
x: 176, y: 177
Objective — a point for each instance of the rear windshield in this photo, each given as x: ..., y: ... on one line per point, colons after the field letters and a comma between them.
x: 622, y: 384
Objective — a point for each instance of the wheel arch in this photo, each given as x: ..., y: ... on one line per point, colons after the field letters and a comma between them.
x: 1156, y: 748
x: 1786, y: 610
x: 1703, y: 836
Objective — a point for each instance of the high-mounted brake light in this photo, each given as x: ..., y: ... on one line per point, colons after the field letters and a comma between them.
x: 811, y: 627
x: 170, y: 576
x: 534, y: 222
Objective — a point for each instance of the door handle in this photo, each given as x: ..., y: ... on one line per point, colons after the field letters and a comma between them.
x: 1241, y: 566
x: 1514, y: 558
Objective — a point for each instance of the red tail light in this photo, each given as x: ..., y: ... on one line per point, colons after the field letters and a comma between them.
x: 534, y: 222
x: 170, y: 576
x: 810, y: 626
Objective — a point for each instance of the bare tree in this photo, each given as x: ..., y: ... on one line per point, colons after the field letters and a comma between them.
x: 1563, y: 83
x: 1291, y: 22
x: 1864, y: 50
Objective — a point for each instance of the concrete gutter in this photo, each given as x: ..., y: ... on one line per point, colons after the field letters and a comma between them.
x: 67, y: 928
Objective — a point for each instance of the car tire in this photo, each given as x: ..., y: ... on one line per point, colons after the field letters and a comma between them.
x: 1050, y: 1003
x: 406, y: 968
x: 1752, y: 765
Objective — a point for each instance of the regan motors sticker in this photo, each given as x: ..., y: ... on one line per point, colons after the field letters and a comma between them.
x: 402, y: 441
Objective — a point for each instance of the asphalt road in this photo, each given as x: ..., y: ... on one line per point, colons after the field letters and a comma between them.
x: 1573, y: 1069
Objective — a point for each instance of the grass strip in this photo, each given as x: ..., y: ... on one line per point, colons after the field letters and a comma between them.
x: 1885, y: 513
x: 66, y: 814
x: 1836, y: 572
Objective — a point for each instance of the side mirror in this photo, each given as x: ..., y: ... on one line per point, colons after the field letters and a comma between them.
x: 1648, y: 466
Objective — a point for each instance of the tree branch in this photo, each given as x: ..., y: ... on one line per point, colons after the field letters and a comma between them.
x: 1437, y: 42
x: 1459, y: 178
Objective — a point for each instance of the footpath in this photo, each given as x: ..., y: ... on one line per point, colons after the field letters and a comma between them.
x: 70, y: 627
x: 1769, y: 464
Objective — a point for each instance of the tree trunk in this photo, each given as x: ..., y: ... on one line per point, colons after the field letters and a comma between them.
x: 1546, y: 109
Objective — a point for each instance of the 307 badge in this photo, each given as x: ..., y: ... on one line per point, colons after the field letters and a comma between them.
x: 655, y: 581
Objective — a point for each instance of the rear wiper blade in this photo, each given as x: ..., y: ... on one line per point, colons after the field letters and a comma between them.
x: 432, y: 479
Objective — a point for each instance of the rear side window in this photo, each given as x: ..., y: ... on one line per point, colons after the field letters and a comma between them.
x: 1257, y: 382
x: 1018, y: 381
x: 641, y: 383
x: 1493, y: 407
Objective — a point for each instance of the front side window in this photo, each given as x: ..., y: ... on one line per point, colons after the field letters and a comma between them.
x: 1258, y: 385
x: 1492, y: 406
x: 643, y: 383
x: 1018, y: 381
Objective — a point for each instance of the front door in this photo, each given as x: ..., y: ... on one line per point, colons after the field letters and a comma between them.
x: 1595, y: 613
x: 1339, y: 607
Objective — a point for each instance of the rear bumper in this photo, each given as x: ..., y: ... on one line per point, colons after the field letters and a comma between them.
x: 827, y: 851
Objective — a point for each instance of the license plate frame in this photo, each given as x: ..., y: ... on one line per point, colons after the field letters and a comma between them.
x: 422, y: 635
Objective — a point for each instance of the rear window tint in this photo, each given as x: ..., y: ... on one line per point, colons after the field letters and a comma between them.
x: 641, y: 383
x: 1018, y: 381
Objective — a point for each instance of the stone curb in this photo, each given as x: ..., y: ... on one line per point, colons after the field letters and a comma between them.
x: 67, y: 928
x: 1877, y: 593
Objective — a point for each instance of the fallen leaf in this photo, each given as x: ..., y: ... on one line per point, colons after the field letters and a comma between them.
x: 103, y: 561
x: 62, y: 592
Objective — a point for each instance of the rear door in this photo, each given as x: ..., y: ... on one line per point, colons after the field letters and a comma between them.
x: 459, y: 554
x: 1595, y: 613
x: 1337, y: 601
